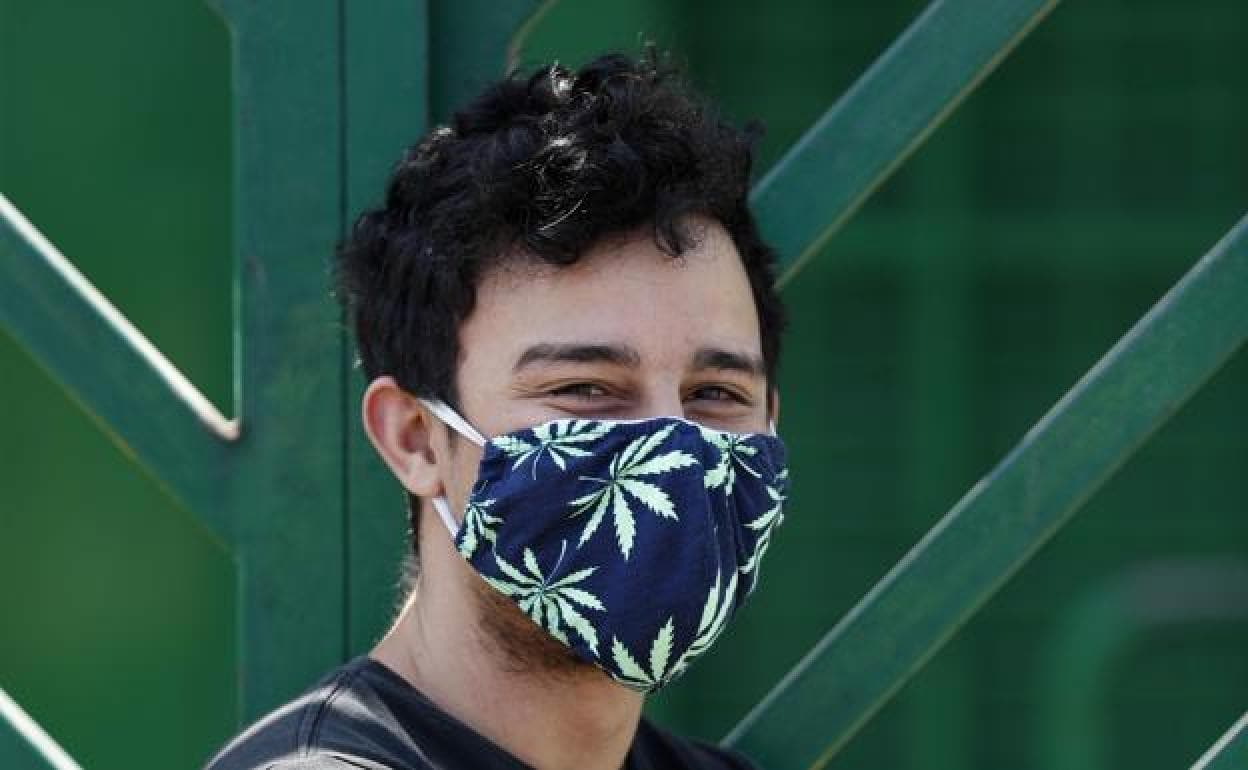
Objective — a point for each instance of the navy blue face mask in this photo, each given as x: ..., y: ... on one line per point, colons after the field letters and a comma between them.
x: 633, y: 542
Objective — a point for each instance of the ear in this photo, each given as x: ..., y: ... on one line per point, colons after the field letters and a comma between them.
x: 402, y: 434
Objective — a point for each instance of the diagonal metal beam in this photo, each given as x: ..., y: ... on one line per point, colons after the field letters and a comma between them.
x: 24, y: 745
x: 1231, y: 750
x: 996, y: 527
x: 138, y: 396
x: 862, y: 138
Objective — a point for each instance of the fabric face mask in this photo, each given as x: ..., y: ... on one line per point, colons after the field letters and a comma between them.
x: 632, y: 542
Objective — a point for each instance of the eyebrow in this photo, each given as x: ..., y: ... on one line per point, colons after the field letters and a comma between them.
x: 727, y: 360
x: 626, y: 356
x: 618, y: 355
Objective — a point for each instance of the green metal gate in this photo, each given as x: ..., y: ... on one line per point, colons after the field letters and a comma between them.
x: 308, y: 156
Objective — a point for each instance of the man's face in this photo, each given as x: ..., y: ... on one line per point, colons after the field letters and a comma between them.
x: 627, y: 332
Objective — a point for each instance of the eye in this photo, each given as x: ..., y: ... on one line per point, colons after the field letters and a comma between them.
x: 586, y: 391
x: 717, y: 393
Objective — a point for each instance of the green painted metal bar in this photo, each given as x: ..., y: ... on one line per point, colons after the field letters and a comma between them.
x: 136, y: 394
x: 286, y: 495
x: 857, y: 144
x: 24, y: 745
x: 274, y: 491
x: 386, y: 98
x: 1007, y: 516
x: 473, y: 42
x: 1231, y: 750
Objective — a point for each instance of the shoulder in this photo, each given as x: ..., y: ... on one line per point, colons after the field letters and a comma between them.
x: 655, y: 748
x: 364, y: 716
x: 324, y: 762
x: 342, y: 722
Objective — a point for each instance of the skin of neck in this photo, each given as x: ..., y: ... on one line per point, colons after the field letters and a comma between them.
x: 551, y: 720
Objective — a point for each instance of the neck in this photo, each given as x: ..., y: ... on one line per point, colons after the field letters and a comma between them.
x: 551, y: 721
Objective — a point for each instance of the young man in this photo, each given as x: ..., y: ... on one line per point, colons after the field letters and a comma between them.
x: 568, y: 324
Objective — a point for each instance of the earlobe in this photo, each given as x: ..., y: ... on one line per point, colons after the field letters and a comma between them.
x: 402, y: 434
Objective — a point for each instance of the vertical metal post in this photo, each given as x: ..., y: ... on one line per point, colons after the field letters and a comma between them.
x: 385, y: 109
x: 285, y: 500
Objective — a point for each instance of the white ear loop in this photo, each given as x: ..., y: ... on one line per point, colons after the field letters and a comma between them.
x: 444, y: 512
x: 454, y: 421
x: 461, y: 426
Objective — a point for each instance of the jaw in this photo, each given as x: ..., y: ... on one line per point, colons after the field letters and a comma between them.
x: 521, y: 646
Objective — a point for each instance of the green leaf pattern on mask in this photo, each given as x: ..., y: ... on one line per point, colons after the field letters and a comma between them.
x: 732, y: 453
x: 551, y: 605
x: 613, y: 493
x: 767, y: 522
x: 712, y: 623
x: 557, y: 440
x: 478, y: 526
x: 632, y: 673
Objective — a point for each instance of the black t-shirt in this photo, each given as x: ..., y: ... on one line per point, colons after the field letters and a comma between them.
x: 363, y: 715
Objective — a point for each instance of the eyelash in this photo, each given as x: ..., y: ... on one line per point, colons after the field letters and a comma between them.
x: 577, y: 390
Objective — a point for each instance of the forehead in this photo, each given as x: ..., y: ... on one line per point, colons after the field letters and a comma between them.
x: 625, y: 290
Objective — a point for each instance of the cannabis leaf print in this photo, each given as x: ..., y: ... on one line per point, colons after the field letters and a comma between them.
x: 557, y: 440
x: 478, y: 525
x: 632, y: 673
x: 660, y: 668
x: 623, y: 483
x: 732, y: 453
x: 551, y: 605
x: 767, y: 522
x: 712, y: 623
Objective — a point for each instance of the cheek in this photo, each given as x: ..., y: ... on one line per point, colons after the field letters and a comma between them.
x: 462, y: 472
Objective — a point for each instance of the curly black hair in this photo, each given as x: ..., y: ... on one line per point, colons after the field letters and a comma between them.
x: 544, y: 166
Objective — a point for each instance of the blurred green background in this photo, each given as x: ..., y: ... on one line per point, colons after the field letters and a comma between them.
x: 1057, y: 204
